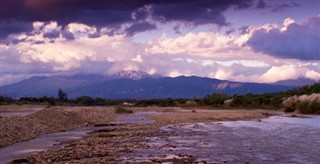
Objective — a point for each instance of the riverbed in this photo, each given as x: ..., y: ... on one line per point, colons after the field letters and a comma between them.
x: 278, y: 139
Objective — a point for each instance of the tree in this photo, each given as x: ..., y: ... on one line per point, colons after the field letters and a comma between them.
x: 62, y: 96
x: 215, y: 99
x: 85, y: 100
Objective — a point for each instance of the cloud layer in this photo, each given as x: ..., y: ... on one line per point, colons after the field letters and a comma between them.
x: 77, y: 48
x: 296, y: 41
x: 182, y: 38
x: 133, y: 16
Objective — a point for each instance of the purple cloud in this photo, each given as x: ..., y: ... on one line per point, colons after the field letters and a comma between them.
x: 113, y: 14
x: 68, y: 35
x: 196, y: 12
x: 52, y: 34
x: 261, y: 4
x: 12, y: 26
x: 140, y: 27
x: 244, y: 30
x: 284, y: 6
x: 299, y: 41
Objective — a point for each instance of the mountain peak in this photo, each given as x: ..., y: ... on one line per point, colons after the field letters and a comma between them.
x: 131, y: 74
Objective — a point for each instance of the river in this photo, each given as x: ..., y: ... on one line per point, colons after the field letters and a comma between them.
x: 278, y: 139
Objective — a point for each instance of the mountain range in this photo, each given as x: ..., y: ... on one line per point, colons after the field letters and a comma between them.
x: 134, y: 85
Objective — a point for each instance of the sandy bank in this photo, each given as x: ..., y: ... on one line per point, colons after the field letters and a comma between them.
x: 15, y: 129
x: 183, y: 116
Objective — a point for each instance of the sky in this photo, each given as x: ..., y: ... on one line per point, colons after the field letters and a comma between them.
x: 260, y: 41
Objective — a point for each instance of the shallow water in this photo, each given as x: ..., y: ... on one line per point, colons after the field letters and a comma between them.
x: 277, y: 139
x: 43, y: 142
x: 137, y: 117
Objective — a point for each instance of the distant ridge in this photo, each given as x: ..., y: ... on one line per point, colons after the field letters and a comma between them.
x: 297, y: 82
x: 132, y: 85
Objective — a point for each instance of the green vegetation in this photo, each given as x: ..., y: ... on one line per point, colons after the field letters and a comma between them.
x: 121, y: 109
x: 304, y: 100
x: 215, y: 99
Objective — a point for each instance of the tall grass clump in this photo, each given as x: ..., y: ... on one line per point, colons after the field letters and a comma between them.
x: 306, y: 104
x: 121, y: 109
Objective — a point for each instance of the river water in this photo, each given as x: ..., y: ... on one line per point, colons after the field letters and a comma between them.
x: 43, y: 142
x: 278, y: 139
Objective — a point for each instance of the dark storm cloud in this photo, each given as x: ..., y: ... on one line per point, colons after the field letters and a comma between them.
x: 140, y: 14
x: 140, y: 27
x: 100, y: 13
x: 261, y: 4
x: 68, y: 35
x: 280, y: 8
x: 94, y: 35
x: 93, y: 12
x: 299, y: 41
x: 196, y: 12
x: 52, y: 34
x: 8, y: 27
x: 284, y: 6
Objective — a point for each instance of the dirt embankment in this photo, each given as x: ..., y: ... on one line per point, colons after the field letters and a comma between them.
x: 15, y: 129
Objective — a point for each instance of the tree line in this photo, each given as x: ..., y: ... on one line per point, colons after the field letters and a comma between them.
x: 216, y: 100
x: 62, y: 99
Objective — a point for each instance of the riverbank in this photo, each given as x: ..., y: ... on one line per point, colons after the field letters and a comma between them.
x: 119, y: 143
x: 14, y: 129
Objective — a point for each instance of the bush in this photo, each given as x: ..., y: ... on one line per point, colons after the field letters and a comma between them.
x: 288, y: 110
x: 306, y: 104
x: 121, y: 109
x: 315, y: 107
x: 312, y: 107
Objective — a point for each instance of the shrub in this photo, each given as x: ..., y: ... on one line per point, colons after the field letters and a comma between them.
x: 315, y: 107
x: 306, y: 104
x: 121, y: 109
x: 288, y: 109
